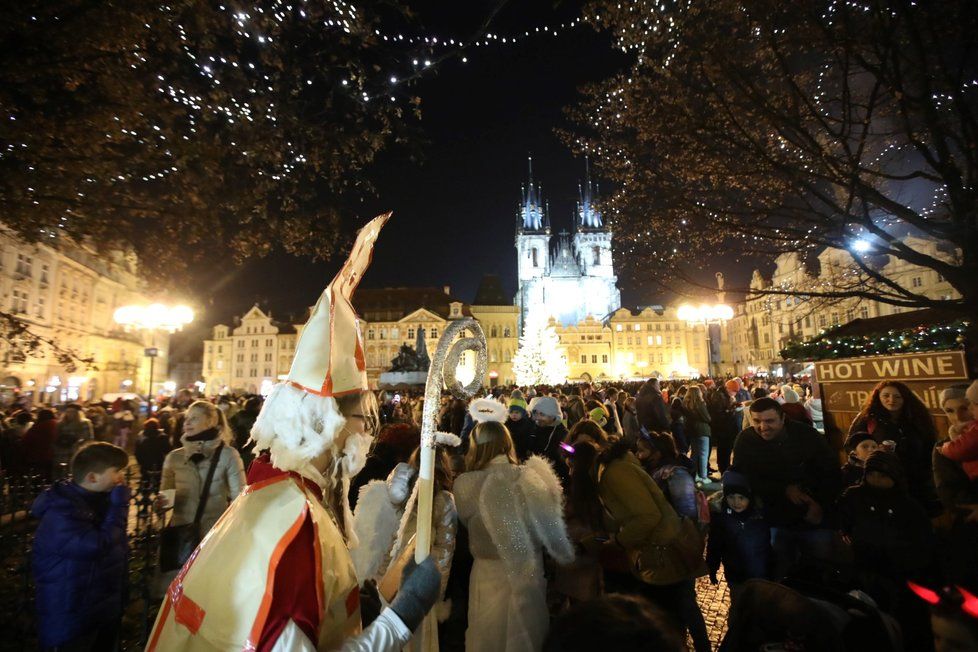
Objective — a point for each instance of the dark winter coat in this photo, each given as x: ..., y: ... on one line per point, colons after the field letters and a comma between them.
x: 953, y: 485
x: 914, y: 449
x: 651, y: 409
x: 799, y: 456
x: 522, y: 432
x: 891, y: 533
x: 852, y: 471
x: 38, y: 446
x: 698, y: 421
x: 79, y: 562
x: 241, y: 424
x: 545, y: 442
x: 741, y: 542
x: 151, y: 449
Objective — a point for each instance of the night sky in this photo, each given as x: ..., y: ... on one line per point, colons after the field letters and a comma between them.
x: 454, y: 212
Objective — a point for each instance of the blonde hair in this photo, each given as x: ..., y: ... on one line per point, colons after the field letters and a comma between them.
x: 216, y: 417
x: 497, y: 442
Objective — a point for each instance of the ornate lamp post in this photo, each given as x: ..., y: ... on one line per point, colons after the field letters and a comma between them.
x: 707, y: 315
x: 153, y: 318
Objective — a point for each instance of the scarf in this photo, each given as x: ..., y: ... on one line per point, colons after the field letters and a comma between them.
x: 200, y: 446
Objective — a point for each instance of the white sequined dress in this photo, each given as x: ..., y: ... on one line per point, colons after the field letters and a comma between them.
x: 512, y: 513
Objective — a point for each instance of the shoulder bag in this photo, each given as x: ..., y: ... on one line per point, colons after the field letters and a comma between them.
x: 177, y: 542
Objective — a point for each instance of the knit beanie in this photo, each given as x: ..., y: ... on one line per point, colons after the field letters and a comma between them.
x: 599, y: 416
x: 545, y: 405
x: 856, y: 438
x: 735, y: 482
x: 886, y: 463
x: 972, y: 393
x: 954, y: 392
x: 517, y: 404
x: 517, y: 394
x: 789, y: 395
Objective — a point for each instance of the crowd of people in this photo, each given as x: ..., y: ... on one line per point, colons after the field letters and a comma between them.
x: 565, y: 517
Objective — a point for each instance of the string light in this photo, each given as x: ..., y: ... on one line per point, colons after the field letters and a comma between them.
x: 911, y: 340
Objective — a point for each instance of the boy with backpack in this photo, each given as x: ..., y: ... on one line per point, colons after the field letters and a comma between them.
x: 80, y: 553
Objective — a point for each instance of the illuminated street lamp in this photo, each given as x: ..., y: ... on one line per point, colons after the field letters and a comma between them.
x: 706, y: 314
x: 153, y: 318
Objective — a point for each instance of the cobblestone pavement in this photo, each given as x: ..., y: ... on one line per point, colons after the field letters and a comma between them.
x: 714, y: 602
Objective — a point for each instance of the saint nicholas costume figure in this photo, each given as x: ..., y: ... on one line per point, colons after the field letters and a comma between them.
x: 275, y: 572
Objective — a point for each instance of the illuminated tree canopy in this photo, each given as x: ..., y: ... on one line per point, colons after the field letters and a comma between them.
x: 183, y: 130
x: 757, y: 128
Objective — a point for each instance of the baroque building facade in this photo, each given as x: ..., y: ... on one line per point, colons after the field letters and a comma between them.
x: 68, y: 294
x: 257, y: 353
x: 764, y: 323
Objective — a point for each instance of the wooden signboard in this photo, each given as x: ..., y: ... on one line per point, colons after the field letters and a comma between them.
x: 846, y: 384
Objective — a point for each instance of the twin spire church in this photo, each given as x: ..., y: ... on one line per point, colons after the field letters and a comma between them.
x: 568, y: 276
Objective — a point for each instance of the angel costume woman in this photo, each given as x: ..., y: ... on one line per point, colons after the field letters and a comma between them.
x: 511, y: 512
x: 386, y: 522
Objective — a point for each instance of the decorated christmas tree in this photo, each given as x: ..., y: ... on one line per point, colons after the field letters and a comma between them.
x: 538, y: 361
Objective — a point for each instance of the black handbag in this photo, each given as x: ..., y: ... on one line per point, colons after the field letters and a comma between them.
x: 178, y: 542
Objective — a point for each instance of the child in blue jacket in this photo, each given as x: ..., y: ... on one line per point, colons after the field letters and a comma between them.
x: 79, y: 560
x: 740, y: 538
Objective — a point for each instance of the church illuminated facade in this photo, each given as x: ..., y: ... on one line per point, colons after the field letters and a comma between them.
x: 569, y: 276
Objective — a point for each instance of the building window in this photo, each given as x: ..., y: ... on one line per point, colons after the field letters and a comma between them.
x: 492, y: 331
x: 583, y: 359
x: 237, y: 373
x: 650, y: 340
x: 269, y: 342
x: 254, y: 342
x: 254, y: 357
x: 507, y: 332
x: 821, y: 321
x: 808, y: 321
x: 618, y: 327
x: 383, y: 333
x: 40, y: 306
x: 864, y: 313
x: 594, y: 359
x: 370, y: 334
x: 18, y: 303
x: 767, y: 338
x: 604, y: 358
x: 268, y: 372
x: 434, y: 333
x: 658, y: 340
x: 395, y: 333
x: 253, y: 373
x: 411, y: 333
x: 917, y: 281
x: 533, y: 256
x: 240, y: 344
x: 595, y: 255
x: 268, y: 358
x: 638, y: 327
x: 630, y: 340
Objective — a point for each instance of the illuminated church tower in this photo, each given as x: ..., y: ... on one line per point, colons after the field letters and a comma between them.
x: 570, y: 276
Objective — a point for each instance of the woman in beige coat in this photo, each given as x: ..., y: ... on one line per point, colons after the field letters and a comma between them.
x: 185, y: 470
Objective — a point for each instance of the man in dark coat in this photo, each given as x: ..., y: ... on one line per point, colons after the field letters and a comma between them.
x: 650, y: 409
x: 795, y: 473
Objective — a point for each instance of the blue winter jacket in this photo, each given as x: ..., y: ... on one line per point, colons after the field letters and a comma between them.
x: 742, y: 542
x: 79, y: 562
